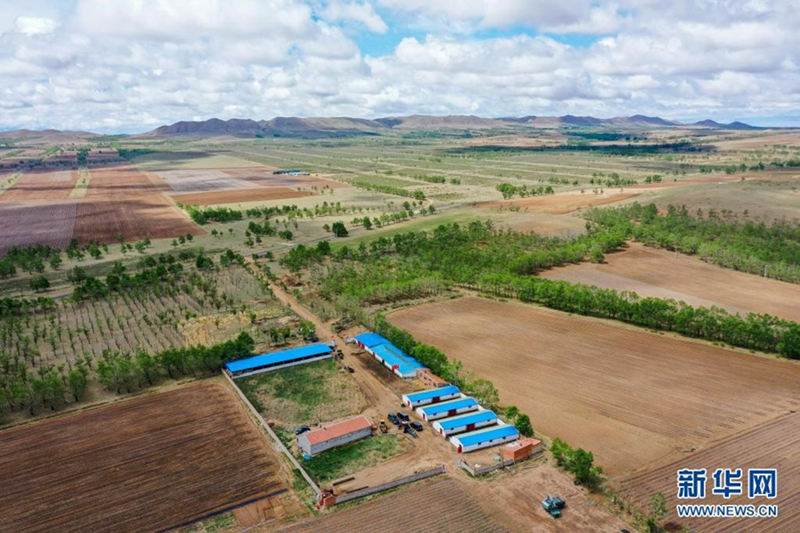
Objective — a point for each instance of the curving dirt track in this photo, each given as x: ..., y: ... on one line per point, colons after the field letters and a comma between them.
x: 663, y: 274
x: 150, y: 463
x: 632, y: 397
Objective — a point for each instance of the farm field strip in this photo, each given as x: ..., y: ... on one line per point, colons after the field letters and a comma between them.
x: 152, y: 462
x: 775, y: 444
x: 28, y: 224
x: 41, y: 186
x: 239, y: 195
x: 188, y: 181
x: 664, y: 274
x: 558, y: 204
x: 630, y: 396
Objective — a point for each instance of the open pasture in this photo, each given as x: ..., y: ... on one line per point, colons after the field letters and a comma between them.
x: 662, y: 274
x: 775, y: 444
x: 630, y: 396
x: 150, y: 463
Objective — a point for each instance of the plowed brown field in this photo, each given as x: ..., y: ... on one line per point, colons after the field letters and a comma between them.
x: 124, y: 201
x: 239, y: 195
x: 630, y: 396
x: 664, y: 274
x: 41, y: 186
x: 145, y: 464
x: 26, y: 224
x: 772, y: 445
x: 441, y: 506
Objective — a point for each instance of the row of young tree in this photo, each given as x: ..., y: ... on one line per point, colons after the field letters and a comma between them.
x: 54, y: 387
x: 417, y: 194
x: 46, y: 388
x: 772, y: 250
x: 414, y: 265
x: 509, y: 190
x: 577, y: 461
x: 124, y: 372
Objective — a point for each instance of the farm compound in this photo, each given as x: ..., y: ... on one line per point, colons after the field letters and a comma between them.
x: 389, y: 355
x: 417, y: 399
x: 484, y: 438
x: 333, y: 435
x: 277, y: 360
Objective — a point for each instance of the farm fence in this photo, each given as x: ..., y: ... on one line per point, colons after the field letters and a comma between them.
x: 390, y: 485
x: 282, y: 447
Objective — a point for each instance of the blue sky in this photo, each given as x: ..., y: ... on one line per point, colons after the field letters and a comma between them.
x: 133, y: 65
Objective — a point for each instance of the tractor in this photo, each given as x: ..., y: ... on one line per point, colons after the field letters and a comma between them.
x: 553, y: 505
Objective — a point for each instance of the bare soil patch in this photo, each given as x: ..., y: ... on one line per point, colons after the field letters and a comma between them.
x: 150, y: 463
x: 239, y: 195
x: 663, y: 274
x: 557, y: 204
x: 513, y: 499
x: 630, y: 396
x: 775, y: 444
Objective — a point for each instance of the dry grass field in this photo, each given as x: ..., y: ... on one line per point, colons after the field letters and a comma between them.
x: 659, y: 273
x: 630, y: 396
x: 775, y: 444
x: 150, y: 463
x: 558, y: 204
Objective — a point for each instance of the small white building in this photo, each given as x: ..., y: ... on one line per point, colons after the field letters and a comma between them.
x: 332, y: 435
x: 439, y: 394
x: 463, y: 423
x: 484, y: 438
x: 464, y: 404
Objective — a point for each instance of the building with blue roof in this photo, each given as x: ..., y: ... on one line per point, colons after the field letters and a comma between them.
x: 389, y: 355
x: 276, y: 360
x: 484, y: 438
x: 440, y: 394
x: 463, y: 423
x: 448, y: 409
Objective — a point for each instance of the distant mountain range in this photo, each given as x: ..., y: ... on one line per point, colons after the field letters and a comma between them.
x: 343, y: 126
x: 325, y: 127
